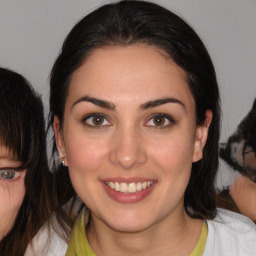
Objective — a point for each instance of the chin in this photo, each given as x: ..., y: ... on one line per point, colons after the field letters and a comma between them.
x: 129, y: 223
x: 129, y: 227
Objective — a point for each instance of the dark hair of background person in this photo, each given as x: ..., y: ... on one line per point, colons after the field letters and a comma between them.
x: 22, y: 132
x: 127, y: 23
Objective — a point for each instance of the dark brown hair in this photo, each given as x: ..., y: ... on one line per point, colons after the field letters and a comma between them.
x: 22, y: 132
x: 130, y: 22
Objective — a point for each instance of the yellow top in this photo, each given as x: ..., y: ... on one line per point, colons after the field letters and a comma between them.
x: 199, y: 249
x: 79, y: 245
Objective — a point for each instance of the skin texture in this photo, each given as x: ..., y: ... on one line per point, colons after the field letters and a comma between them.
x: 12, y: 191
x: 129, y: 145
x: 243, y: 192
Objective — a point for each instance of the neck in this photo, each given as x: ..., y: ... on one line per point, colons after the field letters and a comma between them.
x: 173, y: 235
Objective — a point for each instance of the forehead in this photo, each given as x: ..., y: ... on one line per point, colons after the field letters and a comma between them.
x: 133, y: 73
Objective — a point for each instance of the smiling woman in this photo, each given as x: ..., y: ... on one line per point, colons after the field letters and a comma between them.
x: 24, y: 175
x: 152, y: 116
x: 135, y: 109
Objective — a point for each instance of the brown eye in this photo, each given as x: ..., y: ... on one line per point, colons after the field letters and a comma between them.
x: 159, y: 120
x: 96, y: 121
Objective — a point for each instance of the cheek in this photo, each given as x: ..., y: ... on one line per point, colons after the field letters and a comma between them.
x: 173, y: 154
x: 86, y: 161
x: 12, y: 194
x: 175, y: 165
x: 85, y: 155
x: 173, y: 160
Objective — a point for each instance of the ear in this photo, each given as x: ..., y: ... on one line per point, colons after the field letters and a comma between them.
x: 59, y: 140
x: 201, y: 136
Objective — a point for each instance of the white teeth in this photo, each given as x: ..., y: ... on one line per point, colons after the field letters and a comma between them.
x: 132, y: 188
x: 112, y: 185
x: 139, y: 186
x: 117, y: 186
x: 129, y: 187
x: 123, y: 187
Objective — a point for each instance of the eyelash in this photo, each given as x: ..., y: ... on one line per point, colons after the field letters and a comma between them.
x: 95, y: 115
x: 7, y: 171
x: 167, y: 117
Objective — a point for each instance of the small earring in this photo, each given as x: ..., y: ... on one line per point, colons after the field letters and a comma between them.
x: 63, y: 162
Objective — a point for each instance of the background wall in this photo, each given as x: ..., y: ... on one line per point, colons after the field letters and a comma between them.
x: 31, y: 34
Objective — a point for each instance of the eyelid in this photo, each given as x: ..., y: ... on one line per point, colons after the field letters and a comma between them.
x: 16, y: 169
x: 164, y: 115
x: 88, y: 116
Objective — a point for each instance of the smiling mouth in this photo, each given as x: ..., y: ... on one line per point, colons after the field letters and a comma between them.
x: 129, y: 188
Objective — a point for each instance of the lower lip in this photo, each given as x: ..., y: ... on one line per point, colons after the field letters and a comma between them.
x: 128, y: 197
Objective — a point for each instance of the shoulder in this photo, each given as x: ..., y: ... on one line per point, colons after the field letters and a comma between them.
x: 232, y: 222
x: 47, y: 242
x: 230, y: 234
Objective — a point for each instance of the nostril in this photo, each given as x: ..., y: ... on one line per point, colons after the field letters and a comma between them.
x: 128, y: 158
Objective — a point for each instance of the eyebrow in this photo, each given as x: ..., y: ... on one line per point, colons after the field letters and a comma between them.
x: 109, y: 105
x: 158, y: 102
x: 97, y: 102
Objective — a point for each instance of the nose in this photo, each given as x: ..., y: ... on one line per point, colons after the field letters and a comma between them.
x: 128, y: 151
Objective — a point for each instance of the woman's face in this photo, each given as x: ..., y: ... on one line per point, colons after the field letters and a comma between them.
x: 129, y: 136
x: 12, y: 189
